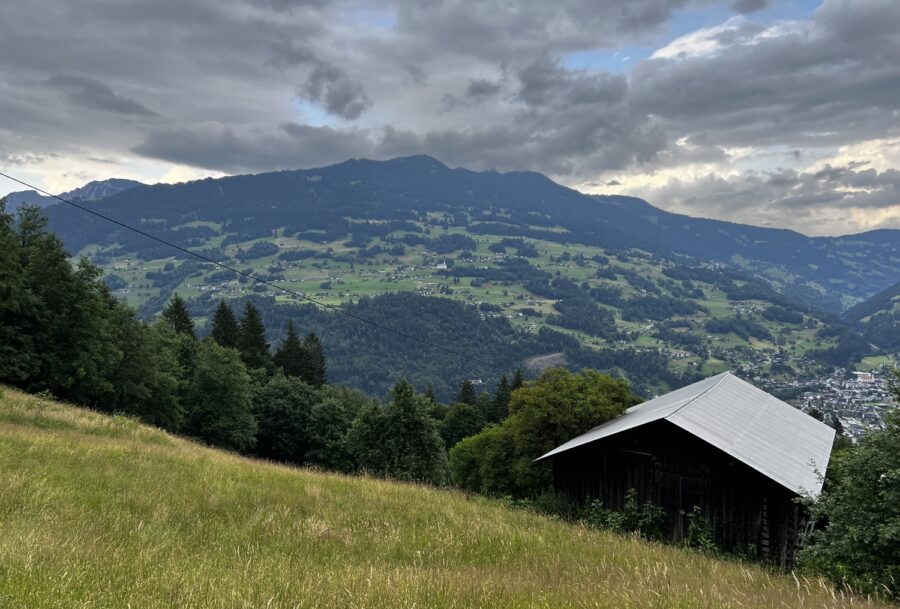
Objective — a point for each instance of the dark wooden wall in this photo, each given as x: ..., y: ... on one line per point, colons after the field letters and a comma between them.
x: 747, y: 512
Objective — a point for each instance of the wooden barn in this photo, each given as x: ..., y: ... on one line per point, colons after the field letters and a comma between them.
x: 740, y: 454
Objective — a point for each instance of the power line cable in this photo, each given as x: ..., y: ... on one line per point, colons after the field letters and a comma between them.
x: 252, y: 277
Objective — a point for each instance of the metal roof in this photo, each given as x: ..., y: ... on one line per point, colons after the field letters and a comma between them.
x: 758, y: 429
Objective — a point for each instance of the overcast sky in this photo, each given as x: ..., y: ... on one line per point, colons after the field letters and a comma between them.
x: 773, y: 113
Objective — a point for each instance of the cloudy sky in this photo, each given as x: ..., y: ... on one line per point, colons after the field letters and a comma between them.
x: 764, y: 112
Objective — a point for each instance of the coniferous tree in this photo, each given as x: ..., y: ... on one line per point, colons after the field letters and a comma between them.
x: 176, y: 314
x: 17, y: 356
x: 315, y: 370
x: 291, y: 356
x: 252, y: 339
x: 518, y: 379
x: 225, y: 329
x: 501, y: 400
x: 466, y: 393
x: 429, y: 393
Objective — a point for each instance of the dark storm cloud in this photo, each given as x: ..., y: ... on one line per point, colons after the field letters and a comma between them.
x: 502, y: 30
x: 234, y: 149
x: 748, y: 6
x: 331, y: 87
x: 488, y: 84
x: 833, y: 80
x: 90, y: 93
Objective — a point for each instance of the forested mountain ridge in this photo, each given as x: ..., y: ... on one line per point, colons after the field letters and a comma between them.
x: 830, y: 272
x: 538, y: 272
x: 878, y: 318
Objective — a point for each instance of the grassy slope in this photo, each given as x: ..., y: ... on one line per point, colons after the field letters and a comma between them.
x: 99, y: 511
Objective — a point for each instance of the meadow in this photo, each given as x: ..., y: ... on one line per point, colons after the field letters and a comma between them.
x: 99, y: 511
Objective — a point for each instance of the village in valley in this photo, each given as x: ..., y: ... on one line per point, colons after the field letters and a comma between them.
x: 851, y: 401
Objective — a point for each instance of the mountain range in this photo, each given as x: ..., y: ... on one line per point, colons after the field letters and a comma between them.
x: 831, y: 273
x: 92, y: 191
x: 509, y: 268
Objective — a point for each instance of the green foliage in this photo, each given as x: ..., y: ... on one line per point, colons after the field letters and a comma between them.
x: 315, y: 371
x: 482, y: 463
x: 330, y: 421
x: 699, y: 533
x: 290, y: 356
x: 555, y: 408
x: 283, y: 408
x: 461, y: 421
x: 500, y: 403
x: 252, y: 339
x: 399, y: 440
x: 176, y: 314
x: 860, y: 544
x: 220, y: 399
x: 543, y: 414
x: 225, y: 329
x: 466, y: 393
x: 646, y: 520
x: 148, y: 380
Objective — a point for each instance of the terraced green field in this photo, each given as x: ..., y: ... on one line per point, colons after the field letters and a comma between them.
x: 337, y: 273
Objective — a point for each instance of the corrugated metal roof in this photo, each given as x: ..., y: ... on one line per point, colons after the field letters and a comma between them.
x: 758, y: 429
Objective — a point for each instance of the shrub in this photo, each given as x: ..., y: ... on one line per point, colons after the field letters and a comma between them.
x: 646, y: 520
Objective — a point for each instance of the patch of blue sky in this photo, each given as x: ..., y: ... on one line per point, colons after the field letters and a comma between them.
x: 379, y: 18
x: 684, y: 22
x: 608, y: 60
x: 692, y: 19
x: 313, y: 114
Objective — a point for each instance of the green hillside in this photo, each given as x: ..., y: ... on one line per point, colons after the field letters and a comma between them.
x: 702, y: 318
x: 100, y: 511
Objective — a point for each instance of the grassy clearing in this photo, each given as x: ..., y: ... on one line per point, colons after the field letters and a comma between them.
x: 99, y: 511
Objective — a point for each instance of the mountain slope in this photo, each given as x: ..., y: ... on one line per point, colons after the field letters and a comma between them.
x: 100, y: 511
x: 878, y: 318
x: 92, y: 191
x: 829, y: 272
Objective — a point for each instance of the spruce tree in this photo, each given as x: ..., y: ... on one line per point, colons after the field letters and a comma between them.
x: 501, y: 400
x: 466, y: 394
x: 176, y: 315
x: 252, y: 339
x: 291, y: 356
x: 225, y: 330
x: 518, y: 379
x: 314, y: 368
x: 429, y: 393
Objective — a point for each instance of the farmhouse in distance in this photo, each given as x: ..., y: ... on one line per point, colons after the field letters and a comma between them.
x: 739, y: 454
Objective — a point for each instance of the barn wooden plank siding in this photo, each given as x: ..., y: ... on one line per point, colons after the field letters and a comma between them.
x: 739, y: 454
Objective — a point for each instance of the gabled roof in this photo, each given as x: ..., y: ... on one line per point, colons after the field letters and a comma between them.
x: 758, y: 429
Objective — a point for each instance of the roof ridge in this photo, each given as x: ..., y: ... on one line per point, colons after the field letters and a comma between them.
x: 725, y: 375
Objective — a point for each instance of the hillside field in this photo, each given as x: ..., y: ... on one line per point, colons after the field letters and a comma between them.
x: 99, y: 511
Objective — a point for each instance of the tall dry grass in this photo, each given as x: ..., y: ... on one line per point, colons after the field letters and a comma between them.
x: 101, y: 512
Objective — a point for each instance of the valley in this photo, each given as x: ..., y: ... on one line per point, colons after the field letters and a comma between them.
x: 605, y: 282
